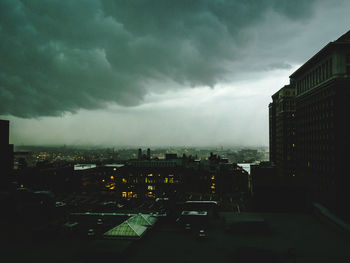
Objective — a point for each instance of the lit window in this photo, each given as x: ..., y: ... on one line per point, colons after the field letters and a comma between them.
x: 124, y: 194
x: 166, y: 180
x: 114, y: 169
x: 213, y: 177
x: 112, y: 177
x: 171, y: 180
x: 124, y: 180
x: 151, y: 187
x: 150, y: 194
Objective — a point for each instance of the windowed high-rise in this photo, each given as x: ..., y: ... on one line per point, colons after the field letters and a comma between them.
x: 322, y: 108
x: 282, y: 131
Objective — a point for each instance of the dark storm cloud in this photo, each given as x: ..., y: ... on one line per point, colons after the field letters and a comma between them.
x: 58, y: 56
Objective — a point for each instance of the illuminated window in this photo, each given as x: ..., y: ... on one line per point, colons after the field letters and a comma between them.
x: 151, y: 187
x: 293, y: 145
x: 171, y: 180
x: 150, y: 194
x: 170, y: 175
x: 124, y: 194
x: 124, y: 180
x: 213, y: 177
x: 112, y: 177
x: 166, y: 180
x: 308, y: 164
x: 114, y: 169
x: 293, y: 175
x: 149, y: 174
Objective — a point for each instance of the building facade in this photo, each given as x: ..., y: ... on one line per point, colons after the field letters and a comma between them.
x: 282, y: 131
x: 322, y: 100
x: 6, y: 153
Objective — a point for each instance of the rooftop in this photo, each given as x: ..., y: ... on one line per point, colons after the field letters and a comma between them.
x: 293, y: 237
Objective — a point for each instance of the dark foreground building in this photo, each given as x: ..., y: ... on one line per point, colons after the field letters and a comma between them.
x: 282, y: 131
x: 322, y: 100
x: 6, y: 153
x: 322, y: 107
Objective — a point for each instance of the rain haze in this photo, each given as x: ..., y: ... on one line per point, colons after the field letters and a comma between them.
x: 156, y: 73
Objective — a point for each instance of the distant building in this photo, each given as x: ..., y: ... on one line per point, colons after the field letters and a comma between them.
x: 163, y: 177
x: 139, y: 154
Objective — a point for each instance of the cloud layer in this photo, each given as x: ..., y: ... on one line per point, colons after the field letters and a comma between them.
x: 62, y: 56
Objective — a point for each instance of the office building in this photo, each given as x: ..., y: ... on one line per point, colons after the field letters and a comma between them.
x: 322, y: 109
x: 282, y: 131
x: 322, y: 142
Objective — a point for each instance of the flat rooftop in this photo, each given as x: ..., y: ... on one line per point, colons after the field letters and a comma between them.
x: 294, y: 237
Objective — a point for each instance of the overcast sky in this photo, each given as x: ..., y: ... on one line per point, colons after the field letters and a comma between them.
x: 154, y: 73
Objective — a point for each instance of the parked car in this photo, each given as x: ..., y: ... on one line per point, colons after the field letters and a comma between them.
x: 202, y: 234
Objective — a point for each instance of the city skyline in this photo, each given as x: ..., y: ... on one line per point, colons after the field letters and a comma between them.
x: 174, y: 74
